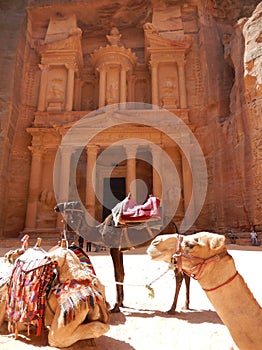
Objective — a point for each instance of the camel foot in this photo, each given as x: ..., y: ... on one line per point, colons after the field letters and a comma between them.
x: 115, y: 309
x: 172, y: 312
x: 186, y: 307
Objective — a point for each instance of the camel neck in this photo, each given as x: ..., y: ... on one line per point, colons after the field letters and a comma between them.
x: 234, y: 303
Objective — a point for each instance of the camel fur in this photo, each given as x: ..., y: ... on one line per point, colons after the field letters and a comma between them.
x: 204, y: 255
x: 89, y: 321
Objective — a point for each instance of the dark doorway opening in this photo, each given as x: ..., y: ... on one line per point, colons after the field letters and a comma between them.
x: 114, y: 192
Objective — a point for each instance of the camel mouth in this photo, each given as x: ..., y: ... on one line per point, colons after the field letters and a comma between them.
x: 153, y: 253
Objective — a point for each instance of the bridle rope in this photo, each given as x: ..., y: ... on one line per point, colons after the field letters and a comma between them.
x: 197, y: 270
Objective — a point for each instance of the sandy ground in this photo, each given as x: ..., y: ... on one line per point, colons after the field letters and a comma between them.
x: 144, y: 324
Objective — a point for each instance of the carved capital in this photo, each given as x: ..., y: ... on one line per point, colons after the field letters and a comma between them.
x: 44, y: 67
x: 37, y: 151
x: 71, y: 66
x: 131, y: 150
x: 92, y: 149
x: 153, y: 64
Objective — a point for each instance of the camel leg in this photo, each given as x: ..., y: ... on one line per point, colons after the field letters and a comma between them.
x: 179, y: 279
x: 187, y: 282
x: 61, y: 335
x: 3, y: 297
x: 117, y: 257
x: 2, y: 312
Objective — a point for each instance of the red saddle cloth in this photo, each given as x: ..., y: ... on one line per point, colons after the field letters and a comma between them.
x: 131, y: 211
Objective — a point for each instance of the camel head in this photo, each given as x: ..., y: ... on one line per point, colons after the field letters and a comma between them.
x: 192, y: 248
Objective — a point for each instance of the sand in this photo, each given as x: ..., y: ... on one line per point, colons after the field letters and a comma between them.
x: 144, y: 324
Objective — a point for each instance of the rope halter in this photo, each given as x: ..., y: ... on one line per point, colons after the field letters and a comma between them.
x: 200, y: 263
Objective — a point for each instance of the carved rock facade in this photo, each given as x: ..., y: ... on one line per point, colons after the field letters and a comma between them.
x: 200, y: 60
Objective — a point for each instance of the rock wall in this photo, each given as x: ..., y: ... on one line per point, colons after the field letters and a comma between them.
x: 229, y: 146
x: 224, y: 80
x: 252, y: 31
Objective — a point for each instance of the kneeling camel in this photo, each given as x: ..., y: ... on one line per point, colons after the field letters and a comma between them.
x: 76, y: 308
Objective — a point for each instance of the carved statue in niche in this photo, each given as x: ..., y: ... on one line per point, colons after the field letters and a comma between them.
x: 47, y: 197
x: 56, y: 94
x: 114, y: 37
x: 169, y: 92
x: 56, y: 90
x: 112, y: 92
x: 46, y: 216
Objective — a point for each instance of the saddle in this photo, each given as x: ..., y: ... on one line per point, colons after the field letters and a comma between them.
x: 30, y: 283
x: 128, y: 211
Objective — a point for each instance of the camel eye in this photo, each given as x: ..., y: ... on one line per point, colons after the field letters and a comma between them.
x: 190, y: 244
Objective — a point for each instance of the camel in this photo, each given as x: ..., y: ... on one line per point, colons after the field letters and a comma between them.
x: 119, y: 239
x: 204, y: 257
x: 83, y: 318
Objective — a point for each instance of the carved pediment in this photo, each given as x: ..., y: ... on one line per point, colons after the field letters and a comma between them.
x: 63, y: 36
x: 154, y: 40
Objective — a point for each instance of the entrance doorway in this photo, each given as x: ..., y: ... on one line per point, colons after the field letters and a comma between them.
x: 113, y: 193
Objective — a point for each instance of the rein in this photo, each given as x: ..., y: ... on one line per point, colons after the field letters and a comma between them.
x: 197, y: 270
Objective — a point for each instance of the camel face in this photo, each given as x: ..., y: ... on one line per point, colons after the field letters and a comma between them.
x: 201, y: 245
x: 163, y: 247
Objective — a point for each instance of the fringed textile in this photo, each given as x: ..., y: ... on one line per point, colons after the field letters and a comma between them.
x: 29, y: 283
x: 74, y: 294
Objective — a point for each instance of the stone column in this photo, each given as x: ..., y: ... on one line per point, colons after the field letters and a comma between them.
x: 154, y: 82
x: 70, y: 88
x: 78, y: 94
x: 91, y: 152
x: 34, y: 186
x: 65, y: 153
x: 123, y: 85
x: 131, y: 169
x: 157, y: 183
x: 43, y: 87
x: 182, y: 84
x: 131, y: 88
x: 102, y: 87
x: 187, y: 182
x: 65, y: 165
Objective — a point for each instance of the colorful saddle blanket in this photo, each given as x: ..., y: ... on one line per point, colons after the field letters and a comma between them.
x: 29, y: 284
x: 83, y: 257
x: 71, y: 294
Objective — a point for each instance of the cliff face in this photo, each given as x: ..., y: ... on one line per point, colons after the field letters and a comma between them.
x: 253, y: 99
x: 223, y: 83
x: 232, y: 106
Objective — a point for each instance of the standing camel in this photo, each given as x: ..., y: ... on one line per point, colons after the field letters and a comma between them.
x: 119, y: 239
x: 205, y: 258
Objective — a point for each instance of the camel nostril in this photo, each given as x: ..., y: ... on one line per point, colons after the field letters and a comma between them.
x: 156, y: 242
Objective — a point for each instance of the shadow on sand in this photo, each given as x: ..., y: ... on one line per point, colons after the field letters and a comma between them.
x: 7, y: 341
x: 191, y: 316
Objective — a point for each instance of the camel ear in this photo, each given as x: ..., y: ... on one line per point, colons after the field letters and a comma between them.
x: 217, y: 242
x: 193, y: 243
